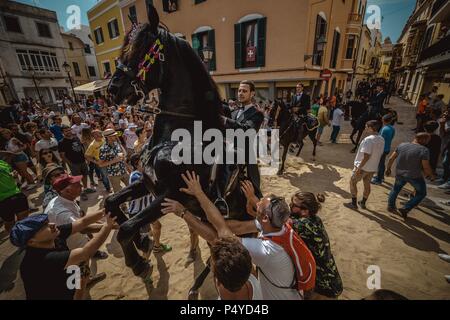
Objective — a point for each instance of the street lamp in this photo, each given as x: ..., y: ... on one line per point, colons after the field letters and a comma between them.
x: 208, y: 54
x: 67, y: 69
x: 33, y: 76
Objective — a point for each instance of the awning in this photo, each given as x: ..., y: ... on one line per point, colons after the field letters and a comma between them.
x: 92, y: 87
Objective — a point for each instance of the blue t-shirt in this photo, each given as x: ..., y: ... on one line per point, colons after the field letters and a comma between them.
x: 388, y: 133
x: 57, y: 132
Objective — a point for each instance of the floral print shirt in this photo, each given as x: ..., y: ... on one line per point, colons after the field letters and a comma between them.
x: 110, y: 152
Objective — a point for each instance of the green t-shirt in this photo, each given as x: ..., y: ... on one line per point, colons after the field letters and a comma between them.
x: 8, y: 186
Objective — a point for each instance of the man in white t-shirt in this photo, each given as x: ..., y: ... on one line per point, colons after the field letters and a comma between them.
x: 277, y: 270
x: 130, y: 137
x: 64, y: 210
x: 78, y: 125
x: 336, y: 122
x: 366, y: 163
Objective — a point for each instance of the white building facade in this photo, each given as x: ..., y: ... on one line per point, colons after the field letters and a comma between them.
x: 32, y: 52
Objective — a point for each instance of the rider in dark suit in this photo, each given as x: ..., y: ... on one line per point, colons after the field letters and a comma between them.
x: 377, y: 102
x: 247, y: 117
x: 301, y: 102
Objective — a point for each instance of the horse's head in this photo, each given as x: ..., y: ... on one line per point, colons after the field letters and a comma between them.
x: 140, y: 65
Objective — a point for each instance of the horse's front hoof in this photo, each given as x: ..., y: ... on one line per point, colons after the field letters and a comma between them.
x: 193, y: 295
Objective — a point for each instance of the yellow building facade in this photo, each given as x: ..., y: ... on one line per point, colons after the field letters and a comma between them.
x: 75, y: 58
x: 276, y: 44
x: 107, y: 32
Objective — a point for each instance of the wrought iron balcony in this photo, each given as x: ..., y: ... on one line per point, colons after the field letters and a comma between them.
x: 436, y: 49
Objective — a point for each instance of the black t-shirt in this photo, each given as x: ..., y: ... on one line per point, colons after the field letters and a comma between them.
x: 43, y: 270
x: 73, y: 150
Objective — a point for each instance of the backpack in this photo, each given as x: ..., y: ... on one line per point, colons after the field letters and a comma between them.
x: 302, y: 258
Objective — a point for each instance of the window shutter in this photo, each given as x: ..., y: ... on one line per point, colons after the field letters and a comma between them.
x: 196, y: 45
x: 238, y: 45
x: 261, y: 50
x: 212, y: 44
x: 110, y: 30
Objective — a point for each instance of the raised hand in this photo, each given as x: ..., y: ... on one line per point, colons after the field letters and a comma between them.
x: 172, y: 206
x: 192, y: 180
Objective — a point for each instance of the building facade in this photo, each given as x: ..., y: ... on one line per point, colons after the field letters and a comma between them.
x: 385, y: 59
x: 31, y: 52
x: 89, y: 51
x: 107, y: 31
x: 275, y: 44
x: 76, y: 59
x: 421, y: 58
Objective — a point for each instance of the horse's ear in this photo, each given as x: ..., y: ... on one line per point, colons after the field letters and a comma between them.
x: 153, y: 18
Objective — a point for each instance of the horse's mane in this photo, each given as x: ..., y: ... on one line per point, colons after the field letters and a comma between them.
x: 207, y: 98
x: 206, y: 95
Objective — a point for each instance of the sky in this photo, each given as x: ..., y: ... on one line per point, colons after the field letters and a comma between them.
x: 394, y: 13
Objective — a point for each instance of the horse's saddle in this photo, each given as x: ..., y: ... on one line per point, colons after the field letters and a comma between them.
x: 309, y: 121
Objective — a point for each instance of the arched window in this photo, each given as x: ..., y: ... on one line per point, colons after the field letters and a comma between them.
x: 250, y: 41
x: 204, y: 40
x: 320, y: 39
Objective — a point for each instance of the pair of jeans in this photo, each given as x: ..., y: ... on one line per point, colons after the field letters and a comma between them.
x: 382, y: 168
x: 101, y: 174
x: 446, y: 165
x: 335, y: 133
x: 418, y: 184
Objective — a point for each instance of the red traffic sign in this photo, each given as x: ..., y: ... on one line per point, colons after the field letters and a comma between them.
x: 326, y: 74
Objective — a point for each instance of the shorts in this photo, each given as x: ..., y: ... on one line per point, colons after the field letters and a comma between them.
x: 79, y: 169
x: 12, y: 206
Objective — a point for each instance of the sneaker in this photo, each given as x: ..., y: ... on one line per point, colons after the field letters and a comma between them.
x: 362, y: 205
x: 192, y: 256
x: 392, y: 210
x: 376, y: 182
x: 90, y: 190
x: 404, y: 213
x: 445, y: 186
x: 100, y: 255
x: 351, y: 206
x: 162, y: 248
x: 96, y: 279
x: 444, y: 257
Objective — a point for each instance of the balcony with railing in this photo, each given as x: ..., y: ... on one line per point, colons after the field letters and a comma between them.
x: 354, y: 18
x: 440, y: 11
x: 441, y: 47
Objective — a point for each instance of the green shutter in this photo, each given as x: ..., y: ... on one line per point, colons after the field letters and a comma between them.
x: 212, y: 44
x: 196, y: 45
x: 238, y: 45
x: 261, y: 50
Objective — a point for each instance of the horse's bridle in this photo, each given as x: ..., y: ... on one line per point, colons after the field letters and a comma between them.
x: 138, y: 80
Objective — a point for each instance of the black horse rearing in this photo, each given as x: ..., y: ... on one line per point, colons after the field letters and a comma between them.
x: 188, y: 94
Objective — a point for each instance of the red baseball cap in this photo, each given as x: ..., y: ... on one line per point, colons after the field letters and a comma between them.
x: 64, y: 181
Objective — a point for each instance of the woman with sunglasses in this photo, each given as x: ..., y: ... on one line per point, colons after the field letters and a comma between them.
x: 304, y: 209
x: 51, y: 172
x: 46, y: 157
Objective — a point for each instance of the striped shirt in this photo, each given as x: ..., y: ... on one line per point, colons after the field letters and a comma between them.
x: 140, y: 204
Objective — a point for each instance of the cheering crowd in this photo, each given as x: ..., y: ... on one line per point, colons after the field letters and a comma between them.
x: 84, y: 149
